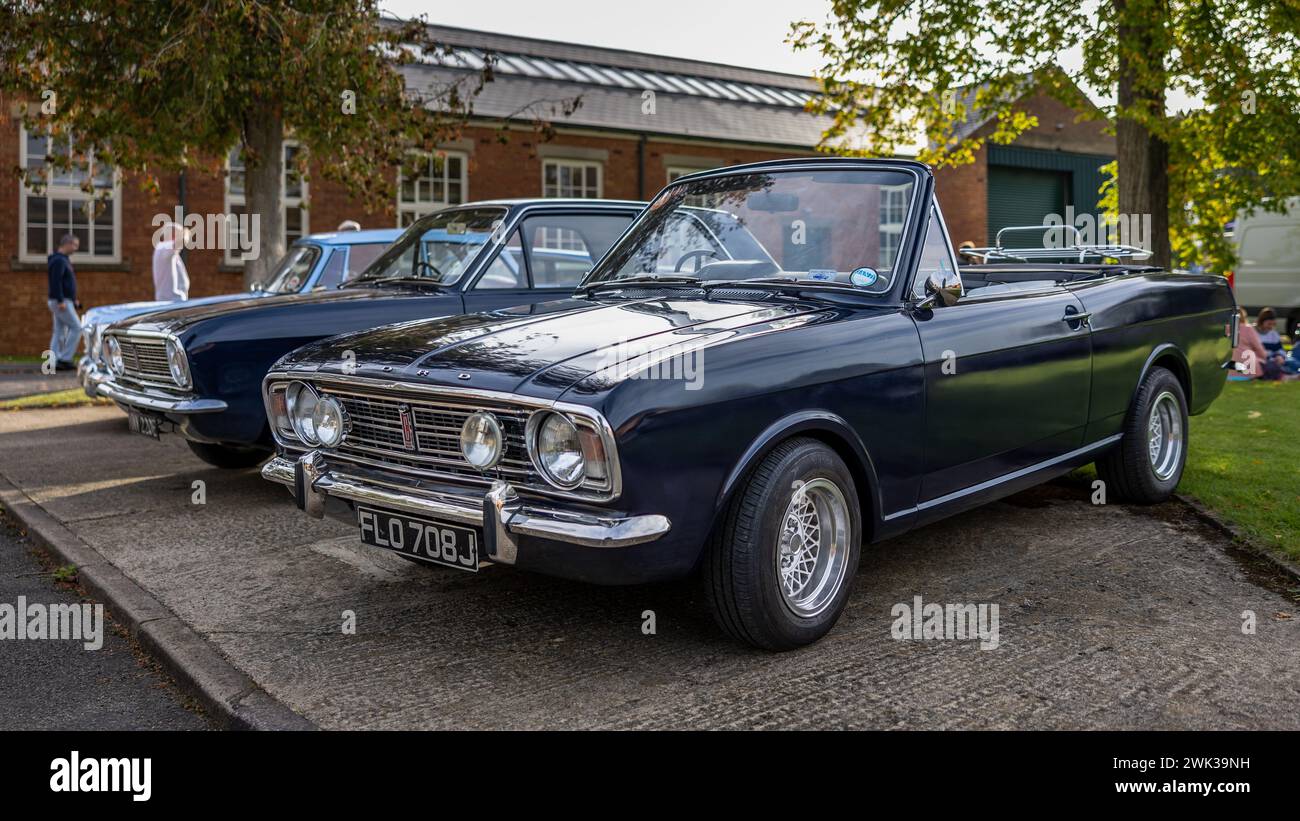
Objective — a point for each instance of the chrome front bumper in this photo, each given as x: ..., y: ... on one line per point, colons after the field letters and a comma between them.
x: 104, y: 385
x: 89, y: 376
x: 500, y: 512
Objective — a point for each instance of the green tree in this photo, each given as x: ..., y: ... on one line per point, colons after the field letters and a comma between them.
x: 1238, y: 146
x: 162, y: 85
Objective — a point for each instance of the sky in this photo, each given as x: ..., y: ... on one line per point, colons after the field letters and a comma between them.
x: 750, y: 34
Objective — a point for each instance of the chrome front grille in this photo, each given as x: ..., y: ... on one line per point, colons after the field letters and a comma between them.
x: 144, y: 360
x: 376, y: 435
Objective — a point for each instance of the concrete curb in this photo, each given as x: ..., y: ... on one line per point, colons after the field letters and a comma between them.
x: 233, y: 699
x: 1238, y: 535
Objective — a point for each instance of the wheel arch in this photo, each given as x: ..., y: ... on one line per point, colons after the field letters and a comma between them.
x: 1170, y: 357
x: 828, y: 428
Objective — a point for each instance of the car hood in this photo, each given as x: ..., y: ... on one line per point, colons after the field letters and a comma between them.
x: 108, y: 314
x: 539, y: 349
x: 186, y: 315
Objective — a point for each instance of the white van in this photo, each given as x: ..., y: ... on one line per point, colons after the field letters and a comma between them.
x: 1268, y: 263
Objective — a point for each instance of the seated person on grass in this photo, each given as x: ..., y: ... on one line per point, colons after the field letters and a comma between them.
x: 1257, y: 361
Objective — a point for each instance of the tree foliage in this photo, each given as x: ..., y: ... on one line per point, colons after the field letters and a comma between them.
x: 943, y: 61
x: 153, y: 86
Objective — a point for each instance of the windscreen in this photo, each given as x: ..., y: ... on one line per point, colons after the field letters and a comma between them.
x: 439, y: 247
x: 840, y: 225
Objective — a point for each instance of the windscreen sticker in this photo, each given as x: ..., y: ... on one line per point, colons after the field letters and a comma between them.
x: 864, y: 277
x: 822, y: 275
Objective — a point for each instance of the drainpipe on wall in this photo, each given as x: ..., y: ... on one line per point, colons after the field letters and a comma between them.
x: 180, y: 195
x: 640, y: 167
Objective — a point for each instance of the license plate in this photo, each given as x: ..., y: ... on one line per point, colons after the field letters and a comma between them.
x: 428, y: 541
x: 142, y: 424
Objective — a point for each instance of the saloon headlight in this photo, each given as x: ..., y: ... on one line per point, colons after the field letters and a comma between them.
x: 557, y: 450
x: 302, y: 401
x: 114, y: 353
x: 178, y: 364
x: 329, y: 421
x: 481, y: 441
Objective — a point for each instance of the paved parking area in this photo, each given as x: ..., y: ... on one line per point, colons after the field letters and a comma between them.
x: 1109, y: 617
x: 23, y: 380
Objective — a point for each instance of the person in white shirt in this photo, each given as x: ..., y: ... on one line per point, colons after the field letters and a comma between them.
x: 171, y: 282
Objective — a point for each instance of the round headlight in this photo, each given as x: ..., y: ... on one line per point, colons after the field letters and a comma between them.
x: 557, y: 451
x: 301, y: 401
x: 114, y: 353
x: 178, y: 364
x: 329, y: 421
x: 481, y: 441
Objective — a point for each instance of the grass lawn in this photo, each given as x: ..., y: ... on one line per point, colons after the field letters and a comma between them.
x: 57, y: 399
x: 1244, y: 461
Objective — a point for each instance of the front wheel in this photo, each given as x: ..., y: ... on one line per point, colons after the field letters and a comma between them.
x: 1147, y: 464
x: 779, y: 566
x: 231, y: 457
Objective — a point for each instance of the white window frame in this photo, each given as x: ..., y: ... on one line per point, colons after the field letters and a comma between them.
x: 559, y: 163
x: 672, y: 172
x: 65, y: 192
x: 894, y: 228
x: 418, y: 208
x: 231, y: 255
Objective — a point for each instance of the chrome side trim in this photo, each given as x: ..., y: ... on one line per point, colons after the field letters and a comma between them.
x: 1009, y: 477
x: 500, y: 510
x: 158, y: 402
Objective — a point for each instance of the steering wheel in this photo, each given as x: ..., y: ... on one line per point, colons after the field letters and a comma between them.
x: 701, y: 253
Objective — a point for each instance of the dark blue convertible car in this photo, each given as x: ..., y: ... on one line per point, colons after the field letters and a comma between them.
x: 776, y: 364
x: 199, y: 370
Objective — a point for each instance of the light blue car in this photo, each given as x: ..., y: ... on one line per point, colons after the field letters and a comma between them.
x: 314, y: 263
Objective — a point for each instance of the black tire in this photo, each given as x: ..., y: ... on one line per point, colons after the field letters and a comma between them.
x: 230, y: 457
x: 1128, y: 469
x: 742, y: 583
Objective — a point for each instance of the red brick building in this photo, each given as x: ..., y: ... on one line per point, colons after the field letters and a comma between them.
x: 643, y: 120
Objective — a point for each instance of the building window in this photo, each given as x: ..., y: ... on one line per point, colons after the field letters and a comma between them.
x: 294, y: 201
x: 893, y: 213
x: 699, y: 201
x: 58, y: 203
x: 580, y: 179
x: 571, y: 178
x: 428, y: 182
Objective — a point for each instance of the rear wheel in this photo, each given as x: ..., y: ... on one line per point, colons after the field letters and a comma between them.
x: 1146, y: 465
x: 779, y: 567
x: 231, y: 457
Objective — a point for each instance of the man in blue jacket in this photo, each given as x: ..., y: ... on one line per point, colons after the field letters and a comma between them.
x: 63, y: 304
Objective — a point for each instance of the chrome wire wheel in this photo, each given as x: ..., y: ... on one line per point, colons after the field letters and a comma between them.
x: 813, y: 547
x: 1165, y: 435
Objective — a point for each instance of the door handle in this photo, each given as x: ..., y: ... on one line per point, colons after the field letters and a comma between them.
x: 1078, y: 317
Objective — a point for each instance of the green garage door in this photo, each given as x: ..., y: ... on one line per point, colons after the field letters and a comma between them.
x: 1024, y: 196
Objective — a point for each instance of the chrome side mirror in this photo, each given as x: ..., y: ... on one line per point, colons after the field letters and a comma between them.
x: 257, y: 288
x: 942, y: 289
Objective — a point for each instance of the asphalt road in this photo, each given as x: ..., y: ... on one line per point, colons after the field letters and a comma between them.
x: 61, y: 685
x: 1109, y: 617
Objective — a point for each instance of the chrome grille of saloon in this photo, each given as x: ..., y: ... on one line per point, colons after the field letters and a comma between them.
x: 375, y: 435
x: 144, y: 360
